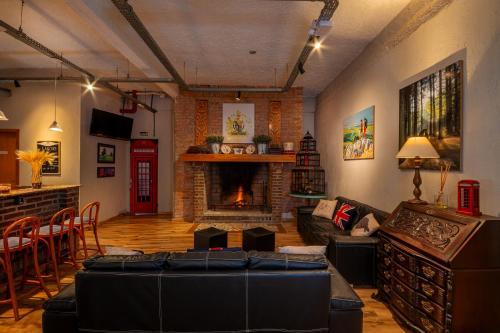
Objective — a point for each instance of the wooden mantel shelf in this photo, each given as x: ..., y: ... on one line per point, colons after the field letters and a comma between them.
x: 254, y: 158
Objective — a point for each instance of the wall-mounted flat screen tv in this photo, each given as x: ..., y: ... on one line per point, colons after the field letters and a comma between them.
x: 110, y: 125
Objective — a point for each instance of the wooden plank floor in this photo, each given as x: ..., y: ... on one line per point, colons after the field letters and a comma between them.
x: 159, y: 233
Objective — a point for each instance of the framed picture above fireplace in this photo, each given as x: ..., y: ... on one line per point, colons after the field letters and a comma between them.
x: 238, y: 122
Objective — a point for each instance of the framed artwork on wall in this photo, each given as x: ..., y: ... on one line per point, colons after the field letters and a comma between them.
x: 54, y: 147
x: 103, y: 172
x: 359, y: 135
x: 432, y: 107
x: 238, y: 122
x: 105, y: 153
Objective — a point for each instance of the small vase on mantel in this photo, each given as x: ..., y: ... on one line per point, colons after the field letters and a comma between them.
x: 215, y: 147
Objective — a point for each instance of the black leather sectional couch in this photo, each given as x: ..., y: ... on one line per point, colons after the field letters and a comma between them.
x: 206, y: 292
x: 353, y: 256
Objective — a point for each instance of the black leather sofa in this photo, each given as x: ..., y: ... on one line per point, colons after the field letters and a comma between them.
x: 206, y: 292
x: 353, y: 256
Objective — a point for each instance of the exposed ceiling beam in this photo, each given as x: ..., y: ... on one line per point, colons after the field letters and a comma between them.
x: 24, y: 38
x: 78, y: 78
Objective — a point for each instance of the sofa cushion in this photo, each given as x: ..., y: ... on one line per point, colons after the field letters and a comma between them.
x: 345, y: 216
x: 314, y: 249
x: 154, y: 261
x: 325, y: 208
x: 365, y: 209
x: 366, y: 226
x: 343, y: 296
x: 210, y: 260
x: 65, y: 301
x: 282, y: 261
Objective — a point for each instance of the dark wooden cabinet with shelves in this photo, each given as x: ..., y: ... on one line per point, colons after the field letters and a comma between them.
x: 439, y: 271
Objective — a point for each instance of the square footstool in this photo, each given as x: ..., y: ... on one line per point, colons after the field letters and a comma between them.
x: 258, y: 239
x: 210, y: 238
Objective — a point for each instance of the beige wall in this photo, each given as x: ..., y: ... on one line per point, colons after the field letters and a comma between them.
x: 467, y: 30
x: 309, y: 114
x: 31, y: 109
x: 112, y: 192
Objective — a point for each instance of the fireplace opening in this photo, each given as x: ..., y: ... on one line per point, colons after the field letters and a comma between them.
x: 237, y: 186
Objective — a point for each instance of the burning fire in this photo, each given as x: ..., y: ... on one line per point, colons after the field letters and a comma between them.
x: 240, y: 201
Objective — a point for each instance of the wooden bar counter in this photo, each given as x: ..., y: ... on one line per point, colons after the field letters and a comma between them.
x: 44, y: 202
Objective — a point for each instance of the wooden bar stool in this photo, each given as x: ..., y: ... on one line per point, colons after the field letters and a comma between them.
x: 56, y: 229
x: 89, y: 217
x: 21, y: 236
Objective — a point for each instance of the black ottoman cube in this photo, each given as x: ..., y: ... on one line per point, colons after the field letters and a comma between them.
x: 258, y: 239
x: 210, y: 238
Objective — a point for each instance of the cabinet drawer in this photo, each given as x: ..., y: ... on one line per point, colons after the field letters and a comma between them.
x: 426, y: 323
x: 431, y: 273
x: 431, y: 291
x: 385, y: 246
x: 402, y: 290
x: 404, y: 275
x: 402, y: 306
x: 385, y: 272
x: 430, y: 308
x: 404, y: 259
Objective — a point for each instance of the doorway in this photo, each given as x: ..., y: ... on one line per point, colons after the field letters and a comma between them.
x: 9, y: 164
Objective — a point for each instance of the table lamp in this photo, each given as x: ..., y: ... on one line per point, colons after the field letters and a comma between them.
x: 417, y: 148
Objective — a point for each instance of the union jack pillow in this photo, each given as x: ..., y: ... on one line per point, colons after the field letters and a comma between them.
x: 345, y: 216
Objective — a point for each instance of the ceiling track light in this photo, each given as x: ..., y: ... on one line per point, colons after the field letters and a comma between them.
x: 316, y: 42
x: 301, y: 68
x: 238, y: 96
x: 17, y: 84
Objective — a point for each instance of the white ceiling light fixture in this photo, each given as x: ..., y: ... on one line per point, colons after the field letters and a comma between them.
x: 3, y: 117
x: 55, y: 126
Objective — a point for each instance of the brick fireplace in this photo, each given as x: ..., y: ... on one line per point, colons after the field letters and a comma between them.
x: 236, y: 190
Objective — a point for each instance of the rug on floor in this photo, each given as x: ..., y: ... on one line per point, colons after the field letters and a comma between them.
x: 238, y: 227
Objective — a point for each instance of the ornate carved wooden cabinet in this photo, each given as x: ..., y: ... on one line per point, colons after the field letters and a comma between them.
x: 440, y: 271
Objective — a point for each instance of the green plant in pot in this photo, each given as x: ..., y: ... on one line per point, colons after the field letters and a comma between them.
x: 262, y: 142
x: 214, y: 141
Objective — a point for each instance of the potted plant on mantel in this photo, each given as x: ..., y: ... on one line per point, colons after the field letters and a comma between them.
x: 261, y: 141
x: 36, y: 158
x: 214, y: 141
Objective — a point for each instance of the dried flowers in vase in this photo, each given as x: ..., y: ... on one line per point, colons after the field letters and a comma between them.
x: 36, y: 158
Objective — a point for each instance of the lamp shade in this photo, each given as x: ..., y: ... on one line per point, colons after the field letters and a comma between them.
x: 3, y: 116
x: 417, y: 146
x: 55, y: 127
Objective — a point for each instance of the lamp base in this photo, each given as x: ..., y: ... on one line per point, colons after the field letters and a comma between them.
x: 417, y: 202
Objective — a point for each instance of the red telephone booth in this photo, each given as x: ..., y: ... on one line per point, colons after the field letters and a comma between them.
x: 143, y: 176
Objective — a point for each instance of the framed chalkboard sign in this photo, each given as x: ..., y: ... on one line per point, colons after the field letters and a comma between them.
x: 53, y: 147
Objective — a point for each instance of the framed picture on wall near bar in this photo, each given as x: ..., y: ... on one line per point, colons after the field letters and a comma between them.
x: 54, y: 147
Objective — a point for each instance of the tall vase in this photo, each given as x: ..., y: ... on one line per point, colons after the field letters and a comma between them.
x: 36, y: 176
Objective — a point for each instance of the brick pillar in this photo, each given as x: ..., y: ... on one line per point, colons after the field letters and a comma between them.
x: 276, y: 189
x: 199, y: 191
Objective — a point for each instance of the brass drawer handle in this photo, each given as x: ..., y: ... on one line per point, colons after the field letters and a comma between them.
x: 428, y: 290
x: 427, y: 307
x: 387, y: 289
x: 401, y: 289
x: 428, y: 272
x: 387, y: 275
x: 387, y: 247
x: 401, y: 257
x: 427, y: 324
x: 400, y: 272
x: 387, y: 261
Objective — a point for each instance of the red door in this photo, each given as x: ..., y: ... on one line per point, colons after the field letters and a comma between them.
x: 144, y: 177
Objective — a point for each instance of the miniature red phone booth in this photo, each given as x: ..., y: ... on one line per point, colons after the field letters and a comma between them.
x: 143, y: 176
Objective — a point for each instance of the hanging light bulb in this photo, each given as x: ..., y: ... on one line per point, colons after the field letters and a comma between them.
x: 3, y: 117
x: 55, y: 126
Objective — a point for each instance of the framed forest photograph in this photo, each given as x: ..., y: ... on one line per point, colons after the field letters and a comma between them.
x: 432, y: 107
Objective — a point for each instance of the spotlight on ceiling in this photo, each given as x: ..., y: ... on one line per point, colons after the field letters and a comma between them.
x: 238, y: 96
x: 17, y: 84
x: 316, y: 42
x: 90, y: 86
x: 301, y: 68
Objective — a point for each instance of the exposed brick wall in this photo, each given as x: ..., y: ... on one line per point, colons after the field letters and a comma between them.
x: 185, y: 132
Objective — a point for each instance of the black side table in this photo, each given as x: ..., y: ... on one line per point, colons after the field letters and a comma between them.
x: 258, y: 239
x: 210, y: 238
